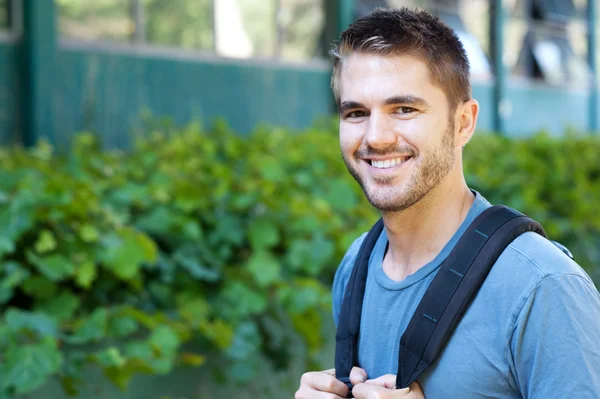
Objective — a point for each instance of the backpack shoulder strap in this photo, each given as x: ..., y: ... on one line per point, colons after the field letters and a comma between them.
x: 455, y: 285
x: 346, y: 348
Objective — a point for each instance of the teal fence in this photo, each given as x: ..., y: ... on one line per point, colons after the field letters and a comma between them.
x: 51, y: 87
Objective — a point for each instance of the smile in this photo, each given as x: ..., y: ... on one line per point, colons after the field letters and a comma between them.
x: 387, y: 163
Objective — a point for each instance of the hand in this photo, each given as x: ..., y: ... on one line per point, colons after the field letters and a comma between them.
x: 323, y: 384
x: 384, y: 388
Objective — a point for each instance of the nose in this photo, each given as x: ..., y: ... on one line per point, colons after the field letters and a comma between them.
x: 380, y: 131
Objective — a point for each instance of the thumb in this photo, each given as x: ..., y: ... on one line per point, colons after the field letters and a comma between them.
x: 357, y: 375
x: 368, y: 391
x: 386, y: 381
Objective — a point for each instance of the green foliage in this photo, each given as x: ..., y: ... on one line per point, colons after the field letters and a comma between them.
x: 198, y: 245
x: 193, y: 239
x: 556, y: 181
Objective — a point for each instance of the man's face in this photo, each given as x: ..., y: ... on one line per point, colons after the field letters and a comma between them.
x: 396, y: 135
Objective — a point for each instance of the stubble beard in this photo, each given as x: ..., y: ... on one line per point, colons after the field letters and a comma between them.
x: 427, y: 174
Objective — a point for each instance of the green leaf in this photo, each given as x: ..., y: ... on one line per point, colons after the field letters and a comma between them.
x: 85, y: 274
x: 246, y: 342
x: 193, y: 310
x: 28, y: 367
x: 218, y: 331
x: 56, y: 267
x: 192, y: 230
x: 270, y: 169
x: 15, y: 220
x: 15, y: 274
x: 303, y: 295
x: 6, y: 293
x: 36, y: 322
x: 39, y: 287
x: 45, y: 243
x: 165, y: 344
x: 241, y: 300
x: 264, y: 267
x: 139, y: 350
x: 122, y: 326
x: 310, y: 255
x: 146, y: 319
x: 91, y: 329
x: 164, y: 340
x: 7, y: 246
x: 196, y: 269
x: 262, y: 234
x: 61, y: 307
x: 110, y: 357
x: 158, y: 221
x: 88, y: 233
x: 341, y: 196
x: 125, y: 252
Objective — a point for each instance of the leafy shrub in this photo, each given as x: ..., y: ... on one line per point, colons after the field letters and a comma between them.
x: 554, y: 180
x: 119, y: 258
x: 216, y: 242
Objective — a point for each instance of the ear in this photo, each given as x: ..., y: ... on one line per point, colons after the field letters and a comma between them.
x: 465, y: 121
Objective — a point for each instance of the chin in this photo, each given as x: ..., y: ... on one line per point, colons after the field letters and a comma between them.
x: 389, y: 200
x: 397, y: 197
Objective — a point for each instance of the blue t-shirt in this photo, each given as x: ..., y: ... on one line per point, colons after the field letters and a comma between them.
x: 532, y: 331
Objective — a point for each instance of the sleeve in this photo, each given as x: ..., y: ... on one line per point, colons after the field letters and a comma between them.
x: 555, y: 345
x: 342, y: 275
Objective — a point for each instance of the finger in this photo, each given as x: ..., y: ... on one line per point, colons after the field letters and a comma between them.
x: 357, y: 375
x: 416, y: 388
x: 386, y: 381
x: 366, y: 391
x: 312, y: 394
x: 323, y: 382
x: 330, y: 372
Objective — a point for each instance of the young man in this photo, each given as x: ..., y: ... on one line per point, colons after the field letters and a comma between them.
x: 401, y: 80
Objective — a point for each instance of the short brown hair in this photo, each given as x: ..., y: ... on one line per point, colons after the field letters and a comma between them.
x: 389, y: 32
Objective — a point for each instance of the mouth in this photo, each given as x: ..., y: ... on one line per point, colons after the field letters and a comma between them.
x: 388, y: 163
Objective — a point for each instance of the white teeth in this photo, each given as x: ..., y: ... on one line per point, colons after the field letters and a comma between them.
x: 388, y: 163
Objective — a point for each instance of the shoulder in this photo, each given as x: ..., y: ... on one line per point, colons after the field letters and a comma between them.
x: 528, y: 263
x: 541, y: 258
x: 533, y: 267
x: 343, y: 274
x: 556, y: 323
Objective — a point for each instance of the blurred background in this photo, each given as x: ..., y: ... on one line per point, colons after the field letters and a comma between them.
x: 173, y: 205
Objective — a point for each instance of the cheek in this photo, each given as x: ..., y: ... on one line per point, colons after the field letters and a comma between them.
x: 351, y: 136
x: 423, y: 133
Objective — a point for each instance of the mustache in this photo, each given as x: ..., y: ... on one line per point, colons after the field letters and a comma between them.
x: 373, y: 152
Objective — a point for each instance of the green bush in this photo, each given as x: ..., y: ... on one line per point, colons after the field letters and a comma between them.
x: 209, y: 238
x: 217, y: 242
x: 554, y: 180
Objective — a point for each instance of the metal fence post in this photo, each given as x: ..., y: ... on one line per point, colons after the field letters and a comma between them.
x: 592, y: 51
x: 497, y: 20
x: 345, y: 14
x: 38, y: 60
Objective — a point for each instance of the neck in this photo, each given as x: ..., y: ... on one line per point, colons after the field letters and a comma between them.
x: 417, y: 234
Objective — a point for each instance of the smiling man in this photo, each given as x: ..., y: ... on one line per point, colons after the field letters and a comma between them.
x: 401, y: 80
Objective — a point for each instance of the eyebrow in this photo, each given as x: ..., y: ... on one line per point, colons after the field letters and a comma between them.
x: 408, y: 99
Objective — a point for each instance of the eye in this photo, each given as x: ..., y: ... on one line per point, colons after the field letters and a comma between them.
x: 405, y: 110
x: 356, y: 114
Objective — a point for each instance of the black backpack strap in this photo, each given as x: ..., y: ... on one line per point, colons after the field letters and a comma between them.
x: 346, y: 347
x: 455, y: 285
